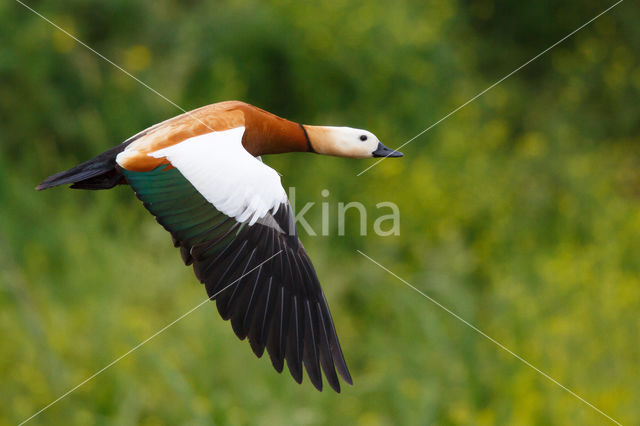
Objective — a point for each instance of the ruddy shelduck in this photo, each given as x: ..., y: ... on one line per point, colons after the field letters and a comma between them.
x: 201, y: 176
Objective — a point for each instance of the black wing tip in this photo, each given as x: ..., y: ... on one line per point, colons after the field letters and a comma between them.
x: 334, y: 385
x: 343, y: 370
x: 333, y: 380
x: 296, y: 371
x: 316, y: 381
x: 256, y: 347
x: 53, y: 180
x: 278, y: 363
x: 48, y: 183
x: 347, y: 379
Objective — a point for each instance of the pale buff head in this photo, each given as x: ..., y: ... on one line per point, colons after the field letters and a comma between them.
x: 347, y: 142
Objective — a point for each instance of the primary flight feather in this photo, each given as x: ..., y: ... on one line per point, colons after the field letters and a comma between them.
x: 199, y: 175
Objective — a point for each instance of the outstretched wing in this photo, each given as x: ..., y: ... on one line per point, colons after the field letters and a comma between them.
x: 228, y: 214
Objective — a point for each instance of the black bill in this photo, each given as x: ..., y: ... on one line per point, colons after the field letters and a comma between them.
x: 383, y: 151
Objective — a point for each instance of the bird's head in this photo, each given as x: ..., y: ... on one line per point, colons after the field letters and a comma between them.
x: 347, y: 142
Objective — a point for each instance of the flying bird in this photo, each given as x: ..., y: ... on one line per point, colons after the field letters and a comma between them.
x: 201, y: 176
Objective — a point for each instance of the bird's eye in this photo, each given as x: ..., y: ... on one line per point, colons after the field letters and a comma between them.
x: 363, y: 137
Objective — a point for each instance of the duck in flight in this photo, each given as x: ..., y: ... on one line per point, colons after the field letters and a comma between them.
x: 201, y: 176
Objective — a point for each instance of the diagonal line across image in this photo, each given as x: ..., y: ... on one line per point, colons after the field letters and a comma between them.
x: 100, y: 55
x: 495, y: 84
x: 491, y: 339
x: 163, y: 329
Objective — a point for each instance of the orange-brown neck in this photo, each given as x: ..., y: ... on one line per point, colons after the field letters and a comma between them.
x: 267, y: 133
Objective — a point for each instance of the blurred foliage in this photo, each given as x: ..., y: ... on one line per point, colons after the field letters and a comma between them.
x: 521, y: 212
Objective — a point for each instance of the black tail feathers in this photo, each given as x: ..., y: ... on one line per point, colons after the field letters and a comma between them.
x: 100, y: 172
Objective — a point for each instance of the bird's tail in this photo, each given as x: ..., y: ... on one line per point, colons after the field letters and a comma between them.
x: 100, y: 172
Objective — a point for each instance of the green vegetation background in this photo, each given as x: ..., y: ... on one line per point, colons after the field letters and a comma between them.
x: 521, y: 212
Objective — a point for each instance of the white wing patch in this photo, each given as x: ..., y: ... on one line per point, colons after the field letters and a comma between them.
x: 234, y: 181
